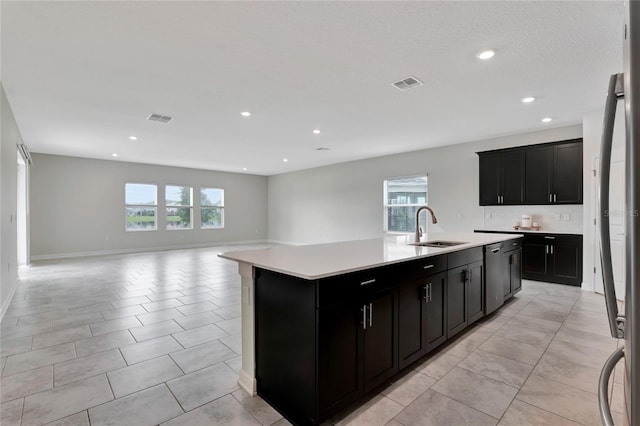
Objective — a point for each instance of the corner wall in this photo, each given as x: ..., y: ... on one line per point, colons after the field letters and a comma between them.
x: 77, y: 207
x: 345, y: 201
x: 9, y: 140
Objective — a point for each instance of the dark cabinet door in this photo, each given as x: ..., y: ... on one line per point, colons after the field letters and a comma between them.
x: 412, y: 321
x: 456, y: 300
x: 435, y: 310
x: 340, y: 369
x: 567, y: 174
x: 380, y: 339
x: 513, y: 167
x: 475, y: 292
x: 536, y: 260
x: 538, y: 177
x: 515, y: 270
x: 566, y: 266
x: 490, y: 185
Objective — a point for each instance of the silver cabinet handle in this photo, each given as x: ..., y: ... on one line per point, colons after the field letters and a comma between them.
x: 364, y: 317
x: 603, y: 386
x: 551, y: 249
x: 555, y: 198
x: 427, y: 266
x: 425, y: 292
x: 502, y: 199
x: 371, y: 281
x: 514, y: 244
x: 370, y: 314
x: 549, y: 238
x: 550, y: 198
x: 616, y: 91
x: 429, y: 294
x: 546, y: 249
x: 498, y: 199
x: 495, y: 250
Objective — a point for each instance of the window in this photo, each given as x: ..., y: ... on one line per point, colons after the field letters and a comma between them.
x: 179, y: 207
x: 402, y: 198
x: 141, y: 206
x: 211, y: 208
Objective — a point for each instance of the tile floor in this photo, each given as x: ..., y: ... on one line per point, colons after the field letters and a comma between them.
x: 154, y: 338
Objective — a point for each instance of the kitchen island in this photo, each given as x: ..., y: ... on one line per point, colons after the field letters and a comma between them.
x: 324, y: 324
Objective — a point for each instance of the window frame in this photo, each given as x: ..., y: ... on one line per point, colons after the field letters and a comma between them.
x: 386, y: 205
x: 128, y: 206
x: 221, y: 207
x: 179, y: 206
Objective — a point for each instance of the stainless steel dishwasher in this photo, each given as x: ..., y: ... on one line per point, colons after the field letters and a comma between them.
x: 494, y: 277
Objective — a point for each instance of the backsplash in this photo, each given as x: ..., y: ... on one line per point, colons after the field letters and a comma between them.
x: 562, y: 218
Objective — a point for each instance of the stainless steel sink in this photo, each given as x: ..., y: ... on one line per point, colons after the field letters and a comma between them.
x: 438, y: 243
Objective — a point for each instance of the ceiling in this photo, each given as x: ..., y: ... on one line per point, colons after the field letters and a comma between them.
x: 84, y: 76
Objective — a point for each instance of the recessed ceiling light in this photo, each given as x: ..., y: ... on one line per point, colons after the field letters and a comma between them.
x: 114, y: 155
x: 316, y: 131
x: 487, y: 54
x: 245, y: 113
x: 322, y: 148
x: 133, y: 138
x: 546, y: 119
x: 244, y: 168
x: 528, y: 99
x: 285, y: 160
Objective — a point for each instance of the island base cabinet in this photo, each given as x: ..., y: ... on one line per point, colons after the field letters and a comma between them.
x: 285, y: 344
x: 421, y: 320
x: 465, y: 297
x: 340, y: 378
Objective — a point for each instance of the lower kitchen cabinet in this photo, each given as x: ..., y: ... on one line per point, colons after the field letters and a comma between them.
x: 323, y: 344
x: 555, y: 258
x: 421, y: 320
x: 465, y: 290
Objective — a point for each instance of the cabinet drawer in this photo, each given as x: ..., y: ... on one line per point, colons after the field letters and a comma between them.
x: 512, y: 244
x: 464, y: 257
x: 345, y: 287
x: 426, y: 266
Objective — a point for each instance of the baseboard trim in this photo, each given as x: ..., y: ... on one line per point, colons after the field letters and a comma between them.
x: 55, y: 256
x: 285, y: 243
x: 247, y: 382
x: 5, y: 305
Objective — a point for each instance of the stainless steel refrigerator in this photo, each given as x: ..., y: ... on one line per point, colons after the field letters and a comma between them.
x: 625, y: 325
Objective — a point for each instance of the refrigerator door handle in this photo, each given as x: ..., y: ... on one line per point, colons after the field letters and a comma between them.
x: 616, y: 324
x: 603, y: 386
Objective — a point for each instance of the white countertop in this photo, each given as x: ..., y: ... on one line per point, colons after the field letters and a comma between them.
x: 324, y: 260
x: 529, y: 231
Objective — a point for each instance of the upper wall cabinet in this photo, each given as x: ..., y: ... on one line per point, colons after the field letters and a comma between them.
x: 502, y: 178
x: 535, y: 174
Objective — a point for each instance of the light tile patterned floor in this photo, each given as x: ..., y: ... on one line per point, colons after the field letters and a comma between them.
x: 154, y: 337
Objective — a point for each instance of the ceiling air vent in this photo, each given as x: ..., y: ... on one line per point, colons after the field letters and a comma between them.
x: 160, y: 118
x: 407, y: 83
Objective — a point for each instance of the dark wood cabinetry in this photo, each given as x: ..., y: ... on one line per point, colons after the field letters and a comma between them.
x: 465, y: 290
x: 323, y: 344
x: 421, y: 318
x: 502, y: 178
x: 512, y: 261
x: 554, y: 174
x: 553, y: 258
x: 534, y: 175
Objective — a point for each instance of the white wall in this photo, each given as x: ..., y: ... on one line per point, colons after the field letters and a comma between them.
x: 9, y: 139
x: 77, y: 207
x: 344, y: 201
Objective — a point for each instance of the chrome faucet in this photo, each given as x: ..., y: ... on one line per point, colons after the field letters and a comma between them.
x: 418, y: 229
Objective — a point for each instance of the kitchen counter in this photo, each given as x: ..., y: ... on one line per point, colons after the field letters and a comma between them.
x: 316, y: 261
x: 527, y: 231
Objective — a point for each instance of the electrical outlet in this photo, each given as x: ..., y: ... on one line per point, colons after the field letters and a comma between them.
x: 556, y: 216
x: 566, y: 216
